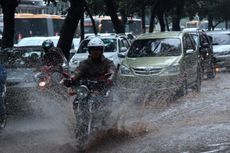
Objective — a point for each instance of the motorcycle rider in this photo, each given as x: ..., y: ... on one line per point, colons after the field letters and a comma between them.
x: 52, y: 58
x: 52, y: 55
x: 95, y: 66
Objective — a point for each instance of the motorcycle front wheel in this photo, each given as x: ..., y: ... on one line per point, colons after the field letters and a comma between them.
x: 81, y: 130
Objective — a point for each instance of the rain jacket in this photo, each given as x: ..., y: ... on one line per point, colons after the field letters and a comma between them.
x: 92, y: 70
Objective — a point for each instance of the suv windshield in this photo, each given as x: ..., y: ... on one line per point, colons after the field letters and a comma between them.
x: 221, y: 39
x: 155, y: 47
x: 110, y: 45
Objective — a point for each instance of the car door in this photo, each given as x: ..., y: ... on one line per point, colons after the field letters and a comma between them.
x: 190, y: 63
x: 124, y: 45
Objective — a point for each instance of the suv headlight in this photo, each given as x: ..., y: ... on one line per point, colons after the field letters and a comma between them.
x: 125, y: 70
x: 171, y: 70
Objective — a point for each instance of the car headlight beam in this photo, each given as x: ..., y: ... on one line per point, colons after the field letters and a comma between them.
x: 174, y: 69
x: 125, y: 70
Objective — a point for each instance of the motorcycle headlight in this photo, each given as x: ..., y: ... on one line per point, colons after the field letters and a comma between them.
x: 82, y: 92
x: 125, y: 70
x: 42, y: 84
x: 171, y: 70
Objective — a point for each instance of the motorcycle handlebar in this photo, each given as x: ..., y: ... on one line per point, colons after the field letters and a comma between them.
x: 69, y: 83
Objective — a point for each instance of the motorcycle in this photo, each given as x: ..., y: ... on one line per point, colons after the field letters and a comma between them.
x: 50, y: 77
x: 91, y: 109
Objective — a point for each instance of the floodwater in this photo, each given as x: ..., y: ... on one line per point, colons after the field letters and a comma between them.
x: 194, y: 123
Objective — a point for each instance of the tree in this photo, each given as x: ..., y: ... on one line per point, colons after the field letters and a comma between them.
x: 8, y: 7
x: 112, y: 11
x: 75, y: 13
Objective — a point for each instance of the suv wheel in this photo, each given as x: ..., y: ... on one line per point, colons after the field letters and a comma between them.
x: 183, y: 90
x: 212, y: 73
x: 198, y: 81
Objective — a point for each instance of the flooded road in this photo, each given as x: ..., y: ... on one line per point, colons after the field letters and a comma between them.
x: 194, y: 123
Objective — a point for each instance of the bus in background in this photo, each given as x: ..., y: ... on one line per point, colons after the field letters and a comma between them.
x: 197, y: 24
x: 27, y: 25
x: 134, y: 26
x: 104, y: 25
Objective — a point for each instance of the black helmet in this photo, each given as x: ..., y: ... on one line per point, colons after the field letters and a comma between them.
x: 47, y: 44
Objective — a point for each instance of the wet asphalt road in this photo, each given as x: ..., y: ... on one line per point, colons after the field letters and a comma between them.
x: 194, y: 123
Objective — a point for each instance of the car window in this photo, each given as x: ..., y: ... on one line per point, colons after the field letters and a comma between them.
x: 123, y: 43
x: 196, y: 38
x: 155, y: 47
x: 110, y: 45
x: 220, y: 39
x: 203, y: 40
x: 188, y: 44
x: 23, y: 57
x: 30, y: 42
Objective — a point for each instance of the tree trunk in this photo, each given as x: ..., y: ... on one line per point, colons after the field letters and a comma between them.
x: 176, y: 24
x: 210, y: 23
x: 176, y: 19
x: 112, y: 11
x: 143, y: 18
x: 8, y: 7
x: 166, y: 22
x: 153, y: 14
x: 82, y: 28
x: 92, y: 20
x: 160, y: 16
x: 70, y: 24
x: 226, y: 24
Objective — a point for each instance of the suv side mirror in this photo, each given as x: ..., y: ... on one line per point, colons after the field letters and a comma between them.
x: 189, y: 51
x: 121, y: 55
x: 123, y: 49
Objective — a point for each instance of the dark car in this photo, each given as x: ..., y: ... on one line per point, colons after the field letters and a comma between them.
x: 204, y: 45
x: 23, y: 64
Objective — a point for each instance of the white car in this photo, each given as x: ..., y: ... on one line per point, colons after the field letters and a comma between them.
x: 114, y: 44
x: 31, y: 41
x: 37, y: 41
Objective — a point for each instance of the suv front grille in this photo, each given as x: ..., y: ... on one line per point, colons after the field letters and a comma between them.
x: 146, y: 71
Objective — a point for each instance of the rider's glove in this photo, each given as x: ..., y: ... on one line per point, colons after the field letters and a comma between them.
x: 67, y: 83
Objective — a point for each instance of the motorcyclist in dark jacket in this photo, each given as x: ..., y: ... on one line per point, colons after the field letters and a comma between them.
x: 52, y: 55
x: 52, y: 58
x: 96, y: 65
